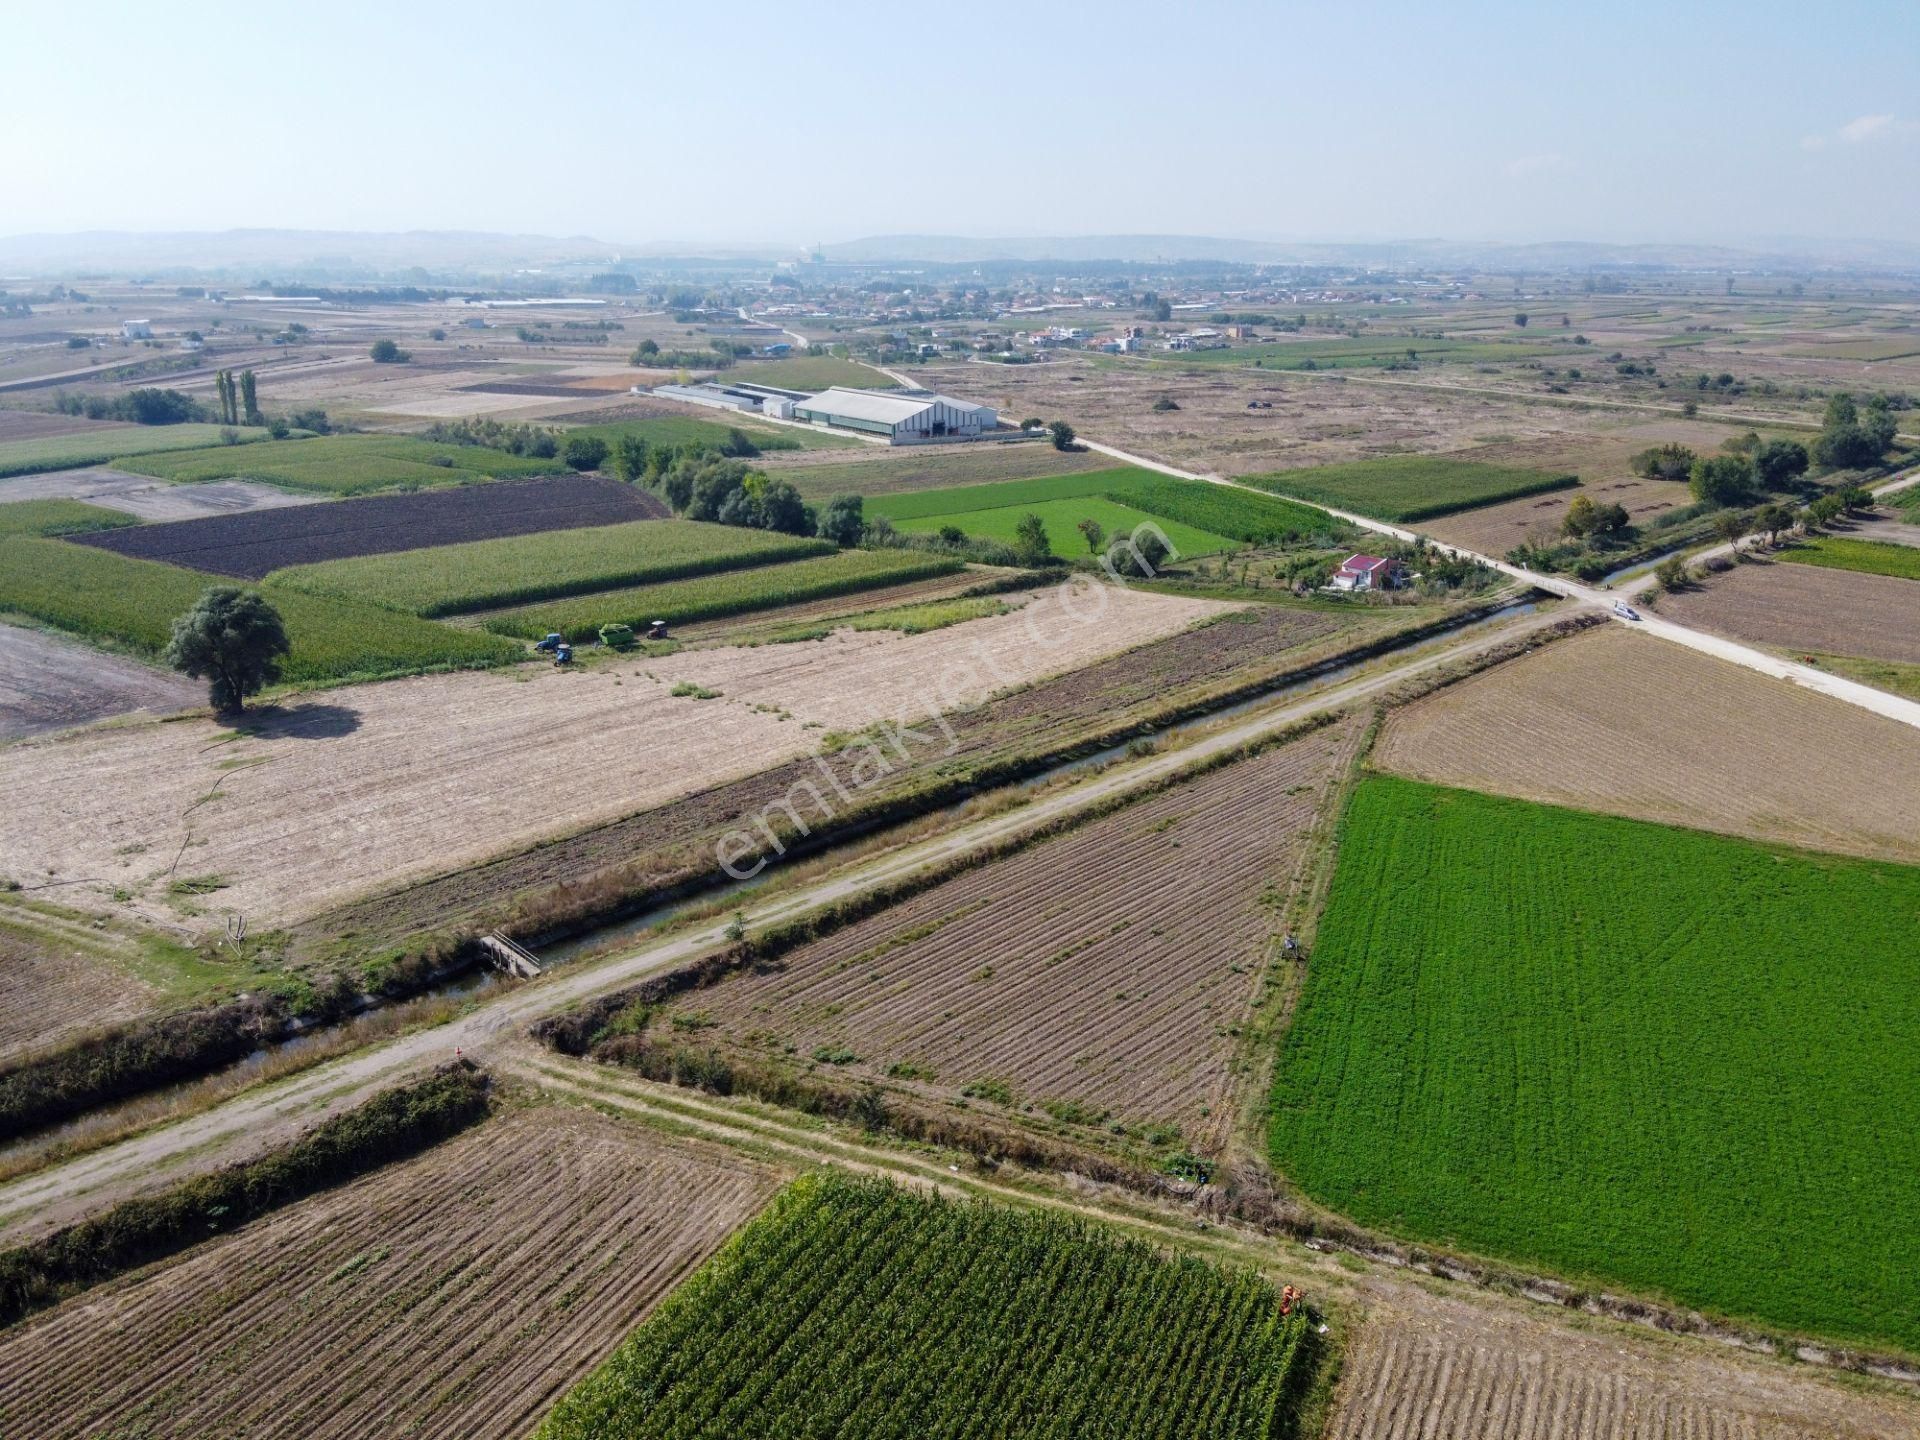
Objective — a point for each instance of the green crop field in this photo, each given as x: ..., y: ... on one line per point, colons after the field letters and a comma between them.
x: 1212, y: 514
x: 901, y: 468
x: 907, y: 619
x: 58, y: 517
x: 1062, y: 518
x: 685, y: 430
x: 1634, y: 1054
x: 810, y: 372
x: 711, y: 597
x: 1869, y: 557
x: 1406, y: 488
x: 854, y: 1309
x: 343, y: 464
x: 521, y: 569
x: 67, y: 452
x: 130, y: 604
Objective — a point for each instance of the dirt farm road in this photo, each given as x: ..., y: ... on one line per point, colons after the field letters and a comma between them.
x: 254, y: 1120
x: 1894, y: 707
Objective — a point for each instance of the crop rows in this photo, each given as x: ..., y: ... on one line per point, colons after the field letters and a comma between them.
x: 711, y: 596
x: 58, y: 517
x: 257, y: 542
x: 1402, y: 1384
x: 855, y: 1309
x: 451, y: 1295
x: 54, y: 988
x: 342, y: 464
x: 1659, y: 1057
x: 1406, y: 488
x: 131, y: 604
x: 1097, y: 973
x: 99, y: 444
x: 521, y: 569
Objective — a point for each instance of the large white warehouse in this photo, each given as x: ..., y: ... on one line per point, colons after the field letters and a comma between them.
x: 905, y: 419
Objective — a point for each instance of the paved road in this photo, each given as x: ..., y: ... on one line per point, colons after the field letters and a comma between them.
x: 1894, y: 707
x: 256, y: 1119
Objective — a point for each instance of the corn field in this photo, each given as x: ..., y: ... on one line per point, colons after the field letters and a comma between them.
x: 854, y: 1309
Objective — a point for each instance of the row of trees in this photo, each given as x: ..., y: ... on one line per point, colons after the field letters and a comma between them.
x: 238, y: 404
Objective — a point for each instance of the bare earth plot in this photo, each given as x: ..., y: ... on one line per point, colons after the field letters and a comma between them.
x: 1496, y: 529
x: 1102, y: 970
x: 56, y: 982
x: 1626, y: 724
x: 149, y: 498
x: 1427, y: 1368
x: 366, y: 787
x: 1807, y: 607
x: 50, y: 683
x: 35, y: 424
x: 460, y: 1294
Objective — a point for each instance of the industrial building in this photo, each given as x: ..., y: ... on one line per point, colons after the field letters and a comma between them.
x: 904, y: 418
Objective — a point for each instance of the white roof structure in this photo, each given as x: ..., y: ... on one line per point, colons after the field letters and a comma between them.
x: 868, y: 405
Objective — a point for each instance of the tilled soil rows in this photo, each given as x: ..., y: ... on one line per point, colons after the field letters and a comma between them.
x: 670, y: 843
x: 1100, y: 973
x: 52, y: 990
x: 1449, y: 1370
x: 457, y: 1294
x: 259, y: 541
x: 1627, y: 724
x: 1807, y: 607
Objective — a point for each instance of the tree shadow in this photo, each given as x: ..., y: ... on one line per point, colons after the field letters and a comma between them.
x: 301, y: 722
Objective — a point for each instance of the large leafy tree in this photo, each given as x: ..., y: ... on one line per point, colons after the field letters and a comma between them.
x: 234, y: 640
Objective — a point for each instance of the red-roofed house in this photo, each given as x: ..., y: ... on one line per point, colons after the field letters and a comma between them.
x: 1366, y: 572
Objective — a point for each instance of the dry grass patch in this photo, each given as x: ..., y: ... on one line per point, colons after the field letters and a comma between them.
x: 457, y: 1294
x: 1628, y: 724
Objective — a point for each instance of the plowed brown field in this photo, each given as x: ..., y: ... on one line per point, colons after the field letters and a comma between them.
x: 458, y: 1294
x: 53, y: 986
x: 1806, y: 607
x: 1101, y: 970
x: 1628, y: 724
x: 1455, y: 1371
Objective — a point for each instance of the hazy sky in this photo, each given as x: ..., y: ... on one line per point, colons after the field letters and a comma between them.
x: 639, y: 122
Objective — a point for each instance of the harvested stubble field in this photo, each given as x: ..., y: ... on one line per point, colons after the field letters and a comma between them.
x: 1803, y: 608
x: 1099, y: 703
x: 38, y: 424
x: 1314, y: 420
x: 257, y: 542
x: 1439, y: 1368
x: 873, y: 470
x: 1631, y: 1053
x: 1096, y: 977
x: 1627, y: 724
x: 859, y: 1310
x: 342, y: 464
x: 374, y: 787
x: 522, y: 569
x: 736, y: 592
x: 459, y: 1293
x: 58, y: 979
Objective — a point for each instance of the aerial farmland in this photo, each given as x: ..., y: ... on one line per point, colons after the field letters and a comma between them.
x: 1081, y: 834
